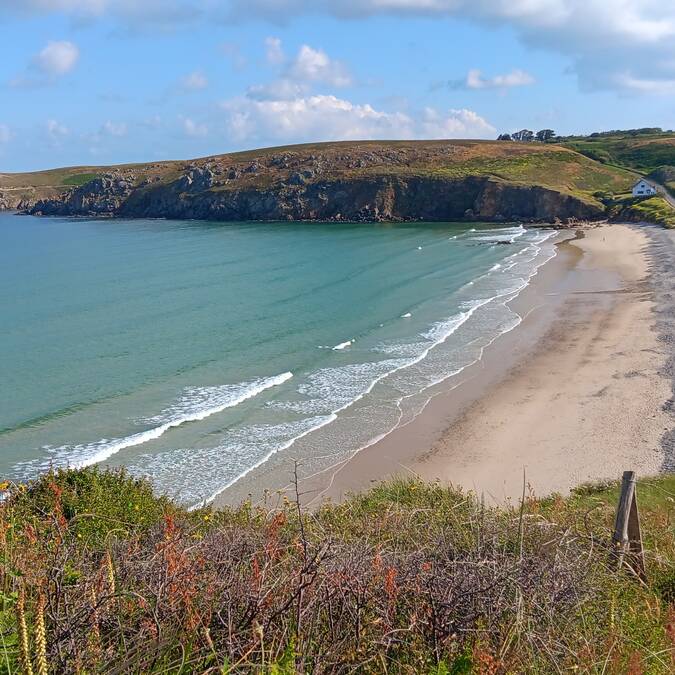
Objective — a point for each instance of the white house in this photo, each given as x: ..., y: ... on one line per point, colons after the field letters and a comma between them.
x: 643, y: 189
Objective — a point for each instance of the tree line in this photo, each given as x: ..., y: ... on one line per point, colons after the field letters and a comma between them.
x: 527, y: 136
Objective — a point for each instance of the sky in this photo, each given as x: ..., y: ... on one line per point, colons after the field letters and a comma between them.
x: 87, y: 82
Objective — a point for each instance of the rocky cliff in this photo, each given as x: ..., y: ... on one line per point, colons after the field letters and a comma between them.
x: 383, y: 198
x: 365, y: 181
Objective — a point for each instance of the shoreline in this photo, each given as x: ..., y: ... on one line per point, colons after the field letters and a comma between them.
x: 544, y: 399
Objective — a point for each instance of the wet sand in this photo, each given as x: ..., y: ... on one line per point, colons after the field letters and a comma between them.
x: 576, y: 392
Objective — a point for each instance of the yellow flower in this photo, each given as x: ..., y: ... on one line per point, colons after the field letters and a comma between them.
x: 4, y: 485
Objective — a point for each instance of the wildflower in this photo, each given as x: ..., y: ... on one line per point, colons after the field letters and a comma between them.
x: 23, y: 633
x: 41, y: 635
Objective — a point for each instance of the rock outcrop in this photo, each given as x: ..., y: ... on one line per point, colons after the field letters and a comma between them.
x: 345, y: 181
x: 200, y: 194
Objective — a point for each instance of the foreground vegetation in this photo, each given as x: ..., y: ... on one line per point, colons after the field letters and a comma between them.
x: 98, y: 575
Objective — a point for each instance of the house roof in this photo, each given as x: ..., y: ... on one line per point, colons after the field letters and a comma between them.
x: 644, y: 180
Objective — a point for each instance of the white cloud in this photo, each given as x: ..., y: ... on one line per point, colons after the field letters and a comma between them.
x: 612, y: 44
x: 325, y: 117
x: 456, y: 123
x: 131, y: 12
x: 516, y: 78
x: 274, y: 51
x: 117, y: 129
x: 314, y: 65
x: 55, y: 130
x: 615, y: 44
x: 644, y: 85
x: 57, y: 58
x: 5, y: 134
x: 309, y: 67
x: 194, y: 81
x: 194, y: 129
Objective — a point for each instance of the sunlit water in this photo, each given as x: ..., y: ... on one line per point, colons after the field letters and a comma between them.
x: 192, y: 352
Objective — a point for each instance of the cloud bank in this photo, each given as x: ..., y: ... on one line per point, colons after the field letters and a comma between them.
x: 327, y: 117
x: 626, y: 45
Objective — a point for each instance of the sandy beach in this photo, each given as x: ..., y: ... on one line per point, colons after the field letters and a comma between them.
x: 577, y: 392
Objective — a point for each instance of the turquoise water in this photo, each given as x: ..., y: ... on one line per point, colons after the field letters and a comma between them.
x: 190, y: 352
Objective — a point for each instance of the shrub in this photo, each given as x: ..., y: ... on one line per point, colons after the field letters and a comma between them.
x: 408, y: 578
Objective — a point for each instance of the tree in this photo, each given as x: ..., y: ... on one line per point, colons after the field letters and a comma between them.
x: 545, y: 135
x: 504, y: 137
x: 524, y: 135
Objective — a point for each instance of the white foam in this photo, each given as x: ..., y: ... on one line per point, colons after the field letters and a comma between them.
x: 195, y: 404
x: 342, y: 345
x: 329, y: 391
x: 324, y: 394
x: 500, y: 235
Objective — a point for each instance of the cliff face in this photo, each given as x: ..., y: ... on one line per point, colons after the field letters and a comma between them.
x: 356, y: 181
x: 13, y: 201
x: 195, y: 195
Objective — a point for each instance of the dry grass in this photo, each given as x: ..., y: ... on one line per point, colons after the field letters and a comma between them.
x: 99, y: 576
x: 546, y: 165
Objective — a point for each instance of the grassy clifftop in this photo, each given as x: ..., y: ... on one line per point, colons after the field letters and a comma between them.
x: 98, y: 575
x: 549, y: 166
x: 642, y: 152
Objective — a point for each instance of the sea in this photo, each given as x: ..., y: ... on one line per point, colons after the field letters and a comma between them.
x: 193, y: 352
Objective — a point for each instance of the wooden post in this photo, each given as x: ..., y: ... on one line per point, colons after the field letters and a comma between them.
x: 627, y: 538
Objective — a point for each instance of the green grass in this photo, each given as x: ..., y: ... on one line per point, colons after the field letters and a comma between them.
x: 641, y: 153
x: 409, y: 577
x: 78, y: 178
x: 652, y: 210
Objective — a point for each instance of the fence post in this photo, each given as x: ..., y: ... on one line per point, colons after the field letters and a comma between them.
x: 627, y: 538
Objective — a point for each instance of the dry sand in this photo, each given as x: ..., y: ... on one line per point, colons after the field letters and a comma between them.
x: 576, y: 393
x: 586, y: 405
x: 579, y: 391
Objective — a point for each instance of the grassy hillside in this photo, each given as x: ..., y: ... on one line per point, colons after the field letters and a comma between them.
x: 642, y: 153
x: 100, y: 576
x: 653, y: 210
x: 550, y: 166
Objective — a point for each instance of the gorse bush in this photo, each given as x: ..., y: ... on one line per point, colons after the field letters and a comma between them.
x: 98, y: 575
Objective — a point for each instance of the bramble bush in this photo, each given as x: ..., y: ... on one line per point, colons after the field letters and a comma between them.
x: 99, y: 575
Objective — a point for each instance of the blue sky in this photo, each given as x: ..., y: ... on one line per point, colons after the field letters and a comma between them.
x: 111, y: 81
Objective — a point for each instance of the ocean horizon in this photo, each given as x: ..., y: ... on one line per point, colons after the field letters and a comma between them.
x: 190, y: 352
